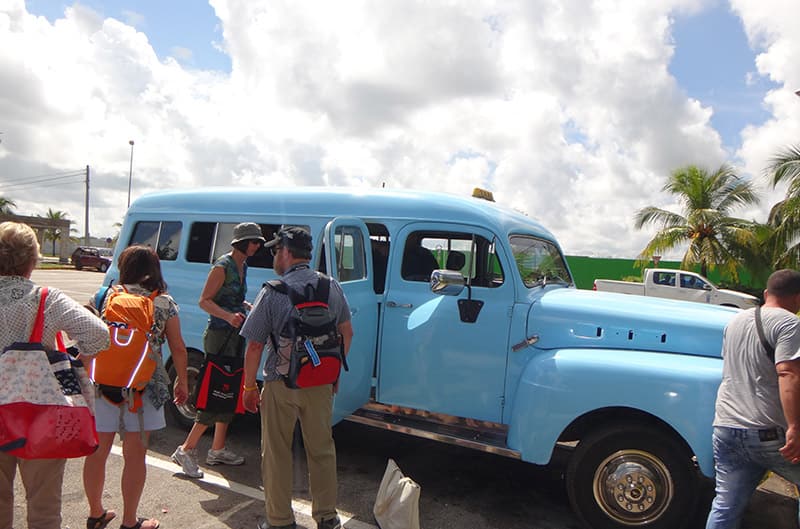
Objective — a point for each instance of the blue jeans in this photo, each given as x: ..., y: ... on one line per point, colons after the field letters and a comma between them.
x: 741, y: 458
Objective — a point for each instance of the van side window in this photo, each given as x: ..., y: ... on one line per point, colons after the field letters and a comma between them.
x: 379, y: 243
x: 471, y: 255
x: 164, y: 237
x: 349, y: 254
x: 210, y: 240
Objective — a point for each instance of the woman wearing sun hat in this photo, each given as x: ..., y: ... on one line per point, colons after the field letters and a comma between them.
x: 223, y: 297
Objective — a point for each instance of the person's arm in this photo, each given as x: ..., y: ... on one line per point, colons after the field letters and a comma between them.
x: 180, y: 358
x: 346, y: 330
x: 215, y: 280
x: 80, y: 324
x: 789, y: 387
x: 252, y: 359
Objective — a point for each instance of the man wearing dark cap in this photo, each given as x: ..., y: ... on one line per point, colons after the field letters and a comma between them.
x: 281, y: 407
x: 757, y: 418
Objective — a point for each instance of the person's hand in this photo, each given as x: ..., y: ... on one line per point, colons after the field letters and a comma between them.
x: 181, y: 392
x: 247, y: 306
x: 791, y: 450
x: 236, y: 319
x: 250, y: 400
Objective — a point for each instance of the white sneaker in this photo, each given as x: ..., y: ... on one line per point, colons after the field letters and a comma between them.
x: 187, y: 461
x: 224, y: 457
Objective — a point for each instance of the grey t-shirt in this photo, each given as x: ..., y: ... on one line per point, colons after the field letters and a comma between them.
x: 271, y: 310
x: 748, y: 396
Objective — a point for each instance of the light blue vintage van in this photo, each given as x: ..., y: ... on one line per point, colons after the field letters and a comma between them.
x: 468, y: 330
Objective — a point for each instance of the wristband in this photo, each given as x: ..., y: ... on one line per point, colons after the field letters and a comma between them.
x: 250, y: 388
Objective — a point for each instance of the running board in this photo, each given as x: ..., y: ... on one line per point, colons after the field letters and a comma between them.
x: 480, y: 435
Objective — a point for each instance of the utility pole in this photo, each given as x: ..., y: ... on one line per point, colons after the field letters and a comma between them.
x: 130, y: 174
x: 86, y: 212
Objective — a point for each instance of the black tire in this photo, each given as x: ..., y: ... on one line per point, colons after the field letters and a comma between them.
x: 78, y: 264
x: 185, y: 413
x: 626, y: 477
x: 103, y: 267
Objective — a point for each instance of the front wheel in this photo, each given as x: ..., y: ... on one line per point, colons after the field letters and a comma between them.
x: 103, y: 267
x: 185, y: 414
x: 627, y: 477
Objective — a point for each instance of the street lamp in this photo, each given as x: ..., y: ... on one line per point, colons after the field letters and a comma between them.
x: 130, y: 174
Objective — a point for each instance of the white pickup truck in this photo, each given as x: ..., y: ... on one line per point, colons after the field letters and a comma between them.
x: 678, y: 284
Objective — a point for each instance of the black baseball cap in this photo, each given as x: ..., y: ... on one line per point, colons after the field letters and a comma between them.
x: 293, y: 237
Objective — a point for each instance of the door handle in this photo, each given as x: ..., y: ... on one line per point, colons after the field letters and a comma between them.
x: 395, y: 305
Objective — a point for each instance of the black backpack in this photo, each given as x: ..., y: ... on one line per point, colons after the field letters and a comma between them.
x: 317, y: 349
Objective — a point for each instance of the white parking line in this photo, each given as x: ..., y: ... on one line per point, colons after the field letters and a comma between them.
x: 299, y: 506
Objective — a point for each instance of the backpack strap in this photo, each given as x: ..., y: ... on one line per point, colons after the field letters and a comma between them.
x: 38, y: 323
x: 760, y: 330
x: 323, y: 288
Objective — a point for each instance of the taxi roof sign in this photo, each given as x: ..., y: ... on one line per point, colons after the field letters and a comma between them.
x: 482, y: 193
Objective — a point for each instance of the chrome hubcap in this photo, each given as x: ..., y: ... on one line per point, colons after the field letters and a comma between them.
x: 633, y: 487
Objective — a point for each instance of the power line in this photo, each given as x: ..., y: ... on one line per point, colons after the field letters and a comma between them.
x: 36, y: 183
x: 28, y: 178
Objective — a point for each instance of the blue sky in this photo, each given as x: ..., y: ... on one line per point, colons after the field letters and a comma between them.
x: 713, y: 63
x: 578, y: 129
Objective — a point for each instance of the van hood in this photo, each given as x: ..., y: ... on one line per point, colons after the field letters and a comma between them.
x: 570, y: 318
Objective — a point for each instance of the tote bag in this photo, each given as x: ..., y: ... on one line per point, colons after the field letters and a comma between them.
x: 397, y: 503
x: 46, y: 400
x: 219, y: 384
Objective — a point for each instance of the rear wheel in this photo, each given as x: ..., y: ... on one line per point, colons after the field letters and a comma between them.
x: 627, y: 477
x: 184, y: 414
x: 78, y: 265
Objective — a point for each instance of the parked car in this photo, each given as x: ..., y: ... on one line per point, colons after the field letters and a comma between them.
x: 90, y: 257
x: 678, y: 284
x: 469, y: 330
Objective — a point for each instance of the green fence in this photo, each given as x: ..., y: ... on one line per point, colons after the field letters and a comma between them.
x: 586, y: 269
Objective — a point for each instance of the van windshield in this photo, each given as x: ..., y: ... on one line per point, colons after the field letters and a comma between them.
x: 539, y: 262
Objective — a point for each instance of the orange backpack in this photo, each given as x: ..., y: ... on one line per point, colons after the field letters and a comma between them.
x: 128, y: 364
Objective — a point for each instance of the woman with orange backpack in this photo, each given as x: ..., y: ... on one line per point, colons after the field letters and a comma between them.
x: 135, y: 418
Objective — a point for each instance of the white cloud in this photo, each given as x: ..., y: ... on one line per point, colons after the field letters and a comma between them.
x: 564, y: 108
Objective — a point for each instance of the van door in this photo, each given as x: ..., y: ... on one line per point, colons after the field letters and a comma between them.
x: 430, y: 358
x: 348, y: 259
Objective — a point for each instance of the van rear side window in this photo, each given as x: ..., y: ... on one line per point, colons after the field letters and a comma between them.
x: 164, y: 237
x: 210, y: 240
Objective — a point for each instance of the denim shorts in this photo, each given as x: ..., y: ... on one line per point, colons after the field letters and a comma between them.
x: 107, y: 416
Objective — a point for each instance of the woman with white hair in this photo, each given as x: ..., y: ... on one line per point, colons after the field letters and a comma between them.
x: 19, y: 303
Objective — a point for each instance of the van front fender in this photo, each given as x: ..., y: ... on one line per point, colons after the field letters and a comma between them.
x: 561, y: 386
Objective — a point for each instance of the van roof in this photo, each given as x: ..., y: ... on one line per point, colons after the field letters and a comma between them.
x: 367, y: 204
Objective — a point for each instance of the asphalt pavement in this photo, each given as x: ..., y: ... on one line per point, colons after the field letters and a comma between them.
x: 460, y: 487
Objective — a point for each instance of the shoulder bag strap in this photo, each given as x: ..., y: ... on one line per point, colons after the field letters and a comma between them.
x: 760, y: 331
x: 38, y: 324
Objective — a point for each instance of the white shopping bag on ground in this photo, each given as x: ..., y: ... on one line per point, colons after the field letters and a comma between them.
x: 397, y: 503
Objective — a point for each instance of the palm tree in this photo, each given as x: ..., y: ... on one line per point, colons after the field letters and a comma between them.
x: 6, y: 205
x: 784, y: 217
x: 54, y: 234
x: 715, y: 238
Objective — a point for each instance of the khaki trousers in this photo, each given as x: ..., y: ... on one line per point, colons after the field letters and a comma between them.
x: 281, y: 407
x: 42, y: 479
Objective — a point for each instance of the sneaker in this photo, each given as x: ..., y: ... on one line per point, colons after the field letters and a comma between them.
x: 223, y: 457
x: 333, y: 523
x: 266, y: 525
x: 187, y: 461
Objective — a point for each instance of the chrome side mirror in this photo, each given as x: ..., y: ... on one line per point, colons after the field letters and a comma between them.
x: 447, y: 282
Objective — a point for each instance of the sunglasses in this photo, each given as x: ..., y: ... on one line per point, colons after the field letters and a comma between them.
x: 274, y: 250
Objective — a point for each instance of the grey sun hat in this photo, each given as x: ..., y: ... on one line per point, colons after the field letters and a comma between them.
x: 246, y: 231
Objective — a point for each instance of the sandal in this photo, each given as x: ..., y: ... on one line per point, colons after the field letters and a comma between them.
x: 101, y: 521
x: 139, y: 523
